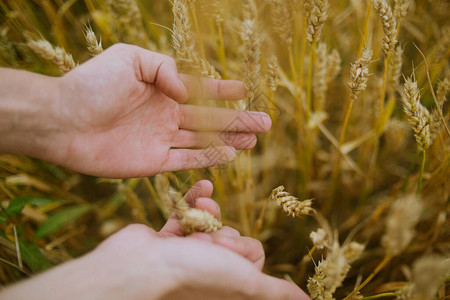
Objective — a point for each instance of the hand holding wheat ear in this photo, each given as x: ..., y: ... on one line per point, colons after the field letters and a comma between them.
x: 121, y: 114
x: 139, y: 263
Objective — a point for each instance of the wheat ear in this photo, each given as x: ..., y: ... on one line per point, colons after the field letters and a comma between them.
x: 290, y: 204
x: 94, y: 47
x: 316, y: 18
x: 389, y: 25
x: 57, y: 55
x: 416, y: 113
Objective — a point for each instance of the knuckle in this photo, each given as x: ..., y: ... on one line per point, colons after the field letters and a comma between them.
x: 231, y: 230
x: 256, y: 244
x: 171, y: 61
x: 119, y: 47
x: 220, y: 89
x: 136, y: 229
x: 167, y: 61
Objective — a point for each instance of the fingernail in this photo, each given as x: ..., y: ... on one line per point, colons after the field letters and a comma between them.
x: 231, y: 148
x: 260, y: 114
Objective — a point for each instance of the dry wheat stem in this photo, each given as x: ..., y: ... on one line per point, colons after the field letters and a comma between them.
x: 379, y: 267
x: 197, y: 28
x: 359, y: 73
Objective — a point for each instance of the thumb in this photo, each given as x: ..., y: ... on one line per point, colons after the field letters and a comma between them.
x: 161, y: 70
x: 268, y: 288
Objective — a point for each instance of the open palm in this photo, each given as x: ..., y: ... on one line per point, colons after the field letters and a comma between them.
x: 123, y: 117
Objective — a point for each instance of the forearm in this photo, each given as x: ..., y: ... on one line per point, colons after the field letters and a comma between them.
x: 97, y: 276
x: 28, y: 102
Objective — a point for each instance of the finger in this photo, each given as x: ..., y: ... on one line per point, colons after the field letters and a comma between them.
x: 228, y: 231
x: 171, y: 228
x: 208, y: 88
x: 161, y: 70
x: 137, y: 232
x: 201, y: 236
x: 195, y: 139
x: 186, y: 159
x: 268, y: 288
x: 208, y: 205
x: 223, y: 119
x: 202, y: 188
x: 247, y: 247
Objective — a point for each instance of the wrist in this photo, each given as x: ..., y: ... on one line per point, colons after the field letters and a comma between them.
x: 27, y: 111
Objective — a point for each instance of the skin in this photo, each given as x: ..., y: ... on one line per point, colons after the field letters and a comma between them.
x: 138, y: 263
x: 124, y: 114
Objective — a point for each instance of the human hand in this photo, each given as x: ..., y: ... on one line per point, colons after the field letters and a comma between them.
x: 138, y: 263
x: 121, y: 115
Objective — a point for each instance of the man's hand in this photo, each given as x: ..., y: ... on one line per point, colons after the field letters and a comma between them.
x: 125, y: 117
x: 120, y: 114
x: 139, y: 263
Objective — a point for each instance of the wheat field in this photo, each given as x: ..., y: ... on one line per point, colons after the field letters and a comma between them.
x: 359, y: 143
